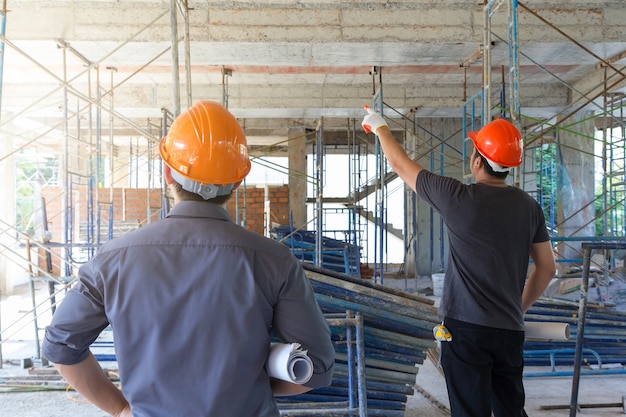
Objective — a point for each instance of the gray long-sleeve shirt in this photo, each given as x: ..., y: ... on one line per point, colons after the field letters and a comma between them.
x: 192, y: 301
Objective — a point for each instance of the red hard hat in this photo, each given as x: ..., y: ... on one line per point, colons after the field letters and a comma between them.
x: 206, y: 144
x: 500, y: 142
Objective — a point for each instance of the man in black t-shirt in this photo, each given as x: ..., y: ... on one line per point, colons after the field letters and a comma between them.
x: 493, y: 231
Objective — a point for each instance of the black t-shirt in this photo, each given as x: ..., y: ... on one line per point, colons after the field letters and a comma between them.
x: 490, y: 232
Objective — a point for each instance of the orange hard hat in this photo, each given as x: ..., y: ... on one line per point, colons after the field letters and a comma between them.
x: 207, y: 145
x: 500, y: 142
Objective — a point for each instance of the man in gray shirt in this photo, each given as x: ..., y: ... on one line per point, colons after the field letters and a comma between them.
x: 194, y: 299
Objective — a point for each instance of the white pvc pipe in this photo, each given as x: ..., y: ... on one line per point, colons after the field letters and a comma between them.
x: 546, y: 330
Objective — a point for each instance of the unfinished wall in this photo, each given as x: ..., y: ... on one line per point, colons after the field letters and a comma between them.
x: 576, y: 187
x: 254, y: 209
x: 132, y: 205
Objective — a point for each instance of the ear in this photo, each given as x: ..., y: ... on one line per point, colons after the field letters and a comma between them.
x: 237, y: 184
x: 167, y: 173
x: 478, y: 161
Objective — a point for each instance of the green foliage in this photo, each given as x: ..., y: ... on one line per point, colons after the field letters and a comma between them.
x: 546, y: 163
x: 598, y: 205
x: 27, y: 174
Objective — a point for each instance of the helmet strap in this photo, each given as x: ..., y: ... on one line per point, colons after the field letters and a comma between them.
x: 206, y: 191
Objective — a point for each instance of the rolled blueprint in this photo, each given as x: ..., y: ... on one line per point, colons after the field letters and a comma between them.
x: 546, y: 330
x: 287, y: 361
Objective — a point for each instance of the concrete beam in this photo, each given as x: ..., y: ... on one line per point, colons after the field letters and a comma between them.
x: 592, y: 87
x: 323, y: 21
x: 245, y: 98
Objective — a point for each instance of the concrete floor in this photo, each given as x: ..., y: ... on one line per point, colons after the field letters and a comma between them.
x: 429, y: 399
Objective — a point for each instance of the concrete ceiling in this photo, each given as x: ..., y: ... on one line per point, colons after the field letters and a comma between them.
x: 290, y: 63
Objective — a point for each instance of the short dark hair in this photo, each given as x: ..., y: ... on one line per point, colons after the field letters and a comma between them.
x: 184, y: 195
x: 488, y: 168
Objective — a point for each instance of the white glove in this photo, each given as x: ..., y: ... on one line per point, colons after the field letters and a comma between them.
x: 372, y: 121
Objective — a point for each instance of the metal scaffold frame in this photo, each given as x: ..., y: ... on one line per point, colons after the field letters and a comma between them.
x: 80, y: 175
x: 86, y: 101
x: 538, y: 174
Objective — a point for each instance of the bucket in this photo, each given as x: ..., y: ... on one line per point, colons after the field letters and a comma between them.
x: 438, y: 284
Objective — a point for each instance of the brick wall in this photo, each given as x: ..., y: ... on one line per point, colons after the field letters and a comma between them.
x: 130, y: 210
x: 254, y: 209
x: 129, y: 205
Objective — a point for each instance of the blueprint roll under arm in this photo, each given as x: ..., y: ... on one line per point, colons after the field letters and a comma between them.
x: 289, y: 362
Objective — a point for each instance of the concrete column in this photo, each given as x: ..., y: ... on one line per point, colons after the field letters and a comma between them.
x: 297, y: 176
x: 410, y: 222
x: 120, y: 177
x: 439, y: 149
x: 576, y: 183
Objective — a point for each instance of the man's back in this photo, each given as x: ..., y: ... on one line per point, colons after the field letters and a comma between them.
x: 191, y: 300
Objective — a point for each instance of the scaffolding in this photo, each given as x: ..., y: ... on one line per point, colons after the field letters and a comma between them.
x: 78, y: 178
x: 544, y: 139
x: 92, y: 163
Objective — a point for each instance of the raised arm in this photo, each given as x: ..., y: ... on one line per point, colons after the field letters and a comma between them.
x: 405, y: 167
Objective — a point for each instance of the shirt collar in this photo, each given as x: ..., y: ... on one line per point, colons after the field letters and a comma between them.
x: 199, y: 209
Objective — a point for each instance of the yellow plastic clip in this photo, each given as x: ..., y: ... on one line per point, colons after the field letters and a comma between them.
x: 442, y: 333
